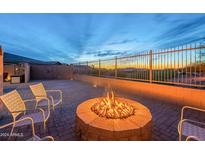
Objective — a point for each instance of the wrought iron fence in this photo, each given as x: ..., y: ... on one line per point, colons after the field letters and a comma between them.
x: 182, y: 65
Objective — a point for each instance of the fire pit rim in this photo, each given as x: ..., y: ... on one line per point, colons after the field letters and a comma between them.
x: 145, y: 116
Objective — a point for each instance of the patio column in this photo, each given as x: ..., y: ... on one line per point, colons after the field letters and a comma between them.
x: 27, y: 72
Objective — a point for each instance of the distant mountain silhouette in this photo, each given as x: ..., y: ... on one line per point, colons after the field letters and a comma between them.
x: 15, y: 59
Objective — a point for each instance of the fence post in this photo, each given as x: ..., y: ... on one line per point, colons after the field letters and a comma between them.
x: 99, y: 69
x: 88, y: 69
x: 79, y: 70
x: 150, y: 66
x: 116, y: 67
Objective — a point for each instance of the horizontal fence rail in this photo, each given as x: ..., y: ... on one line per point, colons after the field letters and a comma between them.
x: 183, y: 65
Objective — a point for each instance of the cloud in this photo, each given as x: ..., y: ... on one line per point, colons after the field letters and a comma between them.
x: 185, y: 32
x: 71, y: 37
x: 122, y: 41
x: 106, y: 53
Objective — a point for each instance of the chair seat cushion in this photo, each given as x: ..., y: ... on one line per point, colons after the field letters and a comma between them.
x: 190, y: 129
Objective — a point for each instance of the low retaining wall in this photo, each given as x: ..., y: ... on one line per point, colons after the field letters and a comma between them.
x: 51, y: 72
x: 178, y: 95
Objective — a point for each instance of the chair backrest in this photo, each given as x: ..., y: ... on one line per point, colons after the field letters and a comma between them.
x: 13, y: 102
x: 38, y: 90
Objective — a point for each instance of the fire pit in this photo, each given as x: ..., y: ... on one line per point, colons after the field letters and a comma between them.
x: 113, y: 118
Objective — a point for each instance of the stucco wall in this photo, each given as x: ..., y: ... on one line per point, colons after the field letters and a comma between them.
x: 178, y: 95
x: 9, y: 68
x: 49, y: 72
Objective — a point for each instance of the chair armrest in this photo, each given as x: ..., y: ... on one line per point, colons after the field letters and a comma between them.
x: 46, y: 98
x: 6, y: 125
x: 189, y: 107
x: 60, y: 92
x: 54, y: 91
x: 187, y: 120
x: 26, y: 118
x: 48, y: 102
x: 29, y: 100
x: 32, y: 123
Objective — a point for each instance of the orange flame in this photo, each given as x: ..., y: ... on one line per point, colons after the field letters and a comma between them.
x: 111, y: 108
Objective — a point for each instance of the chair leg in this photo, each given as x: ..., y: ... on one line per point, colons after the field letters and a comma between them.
x: 44, y: 126
x: 180, y: 137
x: 61, y: 106
x: 36, y: 105
x: 11, y: 131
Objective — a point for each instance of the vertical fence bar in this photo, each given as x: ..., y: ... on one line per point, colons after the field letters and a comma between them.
x: 171, y: 69
x: 79, y: 68
x: 87, y: 71
x: 150, y: 66
x: 143, y: 67
x: 161, y: 78
x: 153, y: 66
x: 182, y: 64
x: 164, y: 70
x: 200, y: 63
x: 190, y: 75
x: 195, y: 64
x: 178, y: 70
x: 116, y: 67
x: 159, y: 65
x: 167, y: 64
x: 99, y: 71
x: 186, y: 65
x: 137, y: 68
x: 174, y: 65
x: 147, y: 65
x: 140, y: 69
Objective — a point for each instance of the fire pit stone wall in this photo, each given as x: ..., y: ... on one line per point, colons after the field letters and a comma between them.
x: 90, y: 126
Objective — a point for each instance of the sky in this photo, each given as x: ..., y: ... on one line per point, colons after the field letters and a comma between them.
x: 70, y: 38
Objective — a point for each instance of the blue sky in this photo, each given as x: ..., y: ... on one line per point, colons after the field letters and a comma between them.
x: 79, y: 37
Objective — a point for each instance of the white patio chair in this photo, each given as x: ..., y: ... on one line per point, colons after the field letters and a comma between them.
x: 16, y: 106
x: 189, y: 128
x: 41, y: 93
x: 34, y: 136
